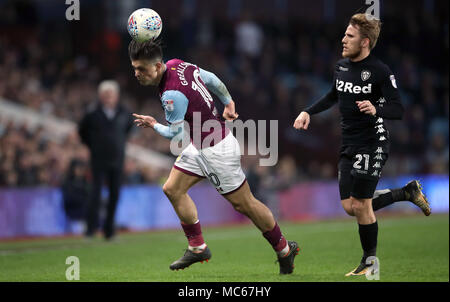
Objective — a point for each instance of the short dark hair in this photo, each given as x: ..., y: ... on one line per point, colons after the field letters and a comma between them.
x: 148, y: 50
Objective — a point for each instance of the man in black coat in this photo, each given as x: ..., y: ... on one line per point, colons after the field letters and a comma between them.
x: 104, y: 130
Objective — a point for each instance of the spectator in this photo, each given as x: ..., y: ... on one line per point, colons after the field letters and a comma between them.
x: 105, y: 130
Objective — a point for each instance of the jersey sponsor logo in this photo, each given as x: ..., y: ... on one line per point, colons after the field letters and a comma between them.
x: 343, y: 68
x: 168, y: 105
x: 382, y: 138
x: 394, y: 83
x: 351, y: 88
x: 365, y: 75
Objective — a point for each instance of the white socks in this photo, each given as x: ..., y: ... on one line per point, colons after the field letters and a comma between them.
x: 197, y: 249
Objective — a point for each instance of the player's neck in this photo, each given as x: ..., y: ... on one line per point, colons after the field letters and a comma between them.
x: 163, y: 70
x: 364, y: 54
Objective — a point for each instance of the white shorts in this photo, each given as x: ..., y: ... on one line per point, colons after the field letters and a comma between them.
x: 221, y: 164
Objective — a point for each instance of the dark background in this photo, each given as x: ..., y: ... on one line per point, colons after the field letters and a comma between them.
x: 53, y: 66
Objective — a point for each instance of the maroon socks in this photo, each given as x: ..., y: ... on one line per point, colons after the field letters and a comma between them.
x: 194, y: 236
x: 277, y: 240
x: 197, y: 244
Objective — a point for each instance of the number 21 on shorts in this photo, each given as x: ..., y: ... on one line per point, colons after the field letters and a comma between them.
x: 361, y: 157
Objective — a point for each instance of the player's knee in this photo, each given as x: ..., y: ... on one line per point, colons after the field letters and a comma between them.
x: 349, y: 210
x: 243, y: 206
x: 239, y: 206
x: 170, y: 191
x: 358, y: 205
x: 347, y: 206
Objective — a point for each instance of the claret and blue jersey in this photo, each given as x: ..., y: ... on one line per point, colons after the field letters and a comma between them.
x: 185, y: 90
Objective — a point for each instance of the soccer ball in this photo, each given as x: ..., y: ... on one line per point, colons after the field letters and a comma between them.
x: 144, y: 24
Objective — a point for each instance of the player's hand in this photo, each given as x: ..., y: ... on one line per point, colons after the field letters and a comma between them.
x: 229, y: 112
x: 302, y: 121
x: 366, y: 107
x: 144, y: 121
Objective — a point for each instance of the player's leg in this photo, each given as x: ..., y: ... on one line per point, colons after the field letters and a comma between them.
x: 382, y: 198
x: 176, y: 188
x: 244, y: 202
x: 222, y: 164
x: 412, y: 192
x: 363, y: 211
x: 368, y: 232
x: 365, y: 174
x: 345, y: 180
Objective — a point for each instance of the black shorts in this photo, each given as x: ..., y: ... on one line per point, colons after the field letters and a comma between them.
x: 360, y: 169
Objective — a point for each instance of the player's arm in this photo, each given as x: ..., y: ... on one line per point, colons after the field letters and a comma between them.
x: 326, y: 102
x: 392, y: 109
x: 216, y: 86
x: 175, y: 107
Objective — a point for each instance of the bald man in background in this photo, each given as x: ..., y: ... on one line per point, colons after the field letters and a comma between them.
x: 104, y: 129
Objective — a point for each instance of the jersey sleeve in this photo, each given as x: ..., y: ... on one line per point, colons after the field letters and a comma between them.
x: 171, y: 131
x: 392, y: 108
x: 175, y: 105
x: 327, y: 101
x: 216, y: 86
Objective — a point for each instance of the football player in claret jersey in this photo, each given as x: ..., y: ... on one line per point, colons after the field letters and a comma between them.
x: 184, y: 90
x: 367, y: 94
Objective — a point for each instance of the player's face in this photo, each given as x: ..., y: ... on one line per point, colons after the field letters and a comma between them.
x: 351, y: 43
x: 146, y: 72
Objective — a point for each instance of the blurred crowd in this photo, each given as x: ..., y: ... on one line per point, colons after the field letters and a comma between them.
x: 274, y: 65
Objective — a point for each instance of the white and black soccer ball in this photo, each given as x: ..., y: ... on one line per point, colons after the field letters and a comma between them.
x: 144, y: 24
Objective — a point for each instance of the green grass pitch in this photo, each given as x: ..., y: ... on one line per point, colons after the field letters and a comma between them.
x: 410, y: 248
